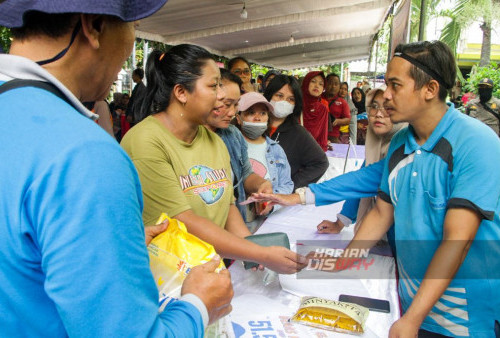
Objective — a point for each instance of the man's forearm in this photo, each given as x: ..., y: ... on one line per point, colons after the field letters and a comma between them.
x: 374, y: 225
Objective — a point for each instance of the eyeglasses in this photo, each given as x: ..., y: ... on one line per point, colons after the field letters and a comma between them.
x: 238, y: 71
x: 374, y: 108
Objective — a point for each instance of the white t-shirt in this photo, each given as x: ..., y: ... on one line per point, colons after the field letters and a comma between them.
x: 257, y: 157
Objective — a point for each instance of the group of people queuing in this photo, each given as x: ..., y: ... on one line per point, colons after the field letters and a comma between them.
x: 335, y: 120
x: 78, y: 208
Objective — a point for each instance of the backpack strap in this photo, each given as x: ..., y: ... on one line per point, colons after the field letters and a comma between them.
x: 20, y: 83
x: 332, y: 102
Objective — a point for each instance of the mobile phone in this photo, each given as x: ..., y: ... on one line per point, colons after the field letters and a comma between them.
x: 373, y: 304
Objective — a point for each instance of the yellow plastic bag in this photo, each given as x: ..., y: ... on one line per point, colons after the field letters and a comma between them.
x: 331, y: 315
x: 172, y: 254
x: 344, y: 129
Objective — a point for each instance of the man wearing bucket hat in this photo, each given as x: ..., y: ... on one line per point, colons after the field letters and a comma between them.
x: 72, y: 239
x: 486, y: 108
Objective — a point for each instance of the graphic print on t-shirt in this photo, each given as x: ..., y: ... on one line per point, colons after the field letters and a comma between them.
x: 206, y: 182
x: 258, y: 167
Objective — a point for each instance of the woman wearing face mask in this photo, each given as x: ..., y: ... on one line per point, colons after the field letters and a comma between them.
x: 266, y: 156
x: 353, y: 125
x: 314, y: 111
x: 307, y: 160
x: 184, y: 168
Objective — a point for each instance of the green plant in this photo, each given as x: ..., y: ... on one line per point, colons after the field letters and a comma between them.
x: 478, y: 73
x: 258, y: 70
x: 5, y: 37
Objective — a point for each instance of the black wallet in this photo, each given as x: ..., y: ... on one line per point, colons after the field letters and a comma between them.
x: 270, y: 239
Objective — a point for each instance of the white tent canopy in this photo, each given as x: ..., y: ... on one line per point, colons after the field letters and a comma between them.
x: 324, y: 31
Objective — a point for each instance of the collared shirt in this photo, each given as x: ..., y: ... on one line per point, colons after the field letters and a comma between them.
x: 457, y: 167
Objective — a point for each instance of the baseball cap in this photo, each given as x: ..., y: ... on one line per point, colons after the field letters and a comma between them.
x: 249, y: 99
x: 486, y: 82
x: 12, y: 11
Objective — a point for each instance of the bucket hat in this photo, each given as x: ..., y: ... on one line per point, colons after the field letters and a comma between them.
x: 12, y: 11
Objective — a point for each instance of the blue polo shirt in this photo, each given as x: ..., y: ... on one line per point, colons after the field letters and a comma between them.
x: 458, y: 167
x: 73, y: 257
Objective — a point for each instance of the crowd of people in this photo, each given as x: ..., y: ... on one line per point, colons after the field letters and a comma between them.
x: 335, y: 120
x: 79, y: 208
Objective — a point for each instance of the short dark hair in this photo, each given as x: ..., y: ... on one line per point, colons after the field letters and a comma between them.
x: 437, y: 56
x: 231, y: 62
x: 332, y: 75
x: 277, y: 83
x: 139, y: 72
x: 39, y: 23
x: 182, y: 65
x: 228, y: 76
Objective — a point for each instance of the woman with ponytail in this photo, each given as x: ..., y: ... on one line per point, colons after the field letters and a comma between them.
x: 184, y: 168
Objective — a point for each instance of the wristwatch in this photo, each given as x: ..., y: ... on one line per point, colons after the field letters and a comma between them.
x: 302, y: 195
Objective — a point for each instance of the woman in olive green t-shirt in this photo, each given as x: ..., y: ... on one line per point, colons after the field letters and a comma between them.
x: 184, y: 168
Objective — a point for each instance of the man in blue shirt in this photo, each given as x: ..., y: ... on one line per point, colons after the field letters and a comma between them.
x: 441, y: 188
x: 72, y: 240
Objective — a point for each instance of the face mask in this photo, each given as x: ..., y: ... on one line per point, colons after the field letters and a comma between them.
x: 253, y: 130
x: 282, y: 108
x: 485, y: 94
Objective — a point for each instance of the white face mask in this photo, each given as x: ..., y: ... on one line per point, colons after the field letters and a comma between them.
x: 282, y: 108
x: 253, y: 130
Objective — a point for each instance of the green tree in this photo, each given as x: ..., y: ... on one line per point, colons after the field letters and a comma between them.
x: 478, y: 73
x: 336, y: 68
x: 430, y: 12
x: 258, y: 70
x: 465, y: 13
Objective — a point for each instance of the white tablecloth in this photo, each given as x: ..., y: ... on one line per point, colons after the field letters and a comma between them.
x: 342, y: 162
x: 263, y: 311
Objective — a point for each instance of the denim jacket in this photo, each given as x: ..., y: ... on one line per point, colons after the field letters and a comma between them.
x: 240, y: 165
x: 279, y: 168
